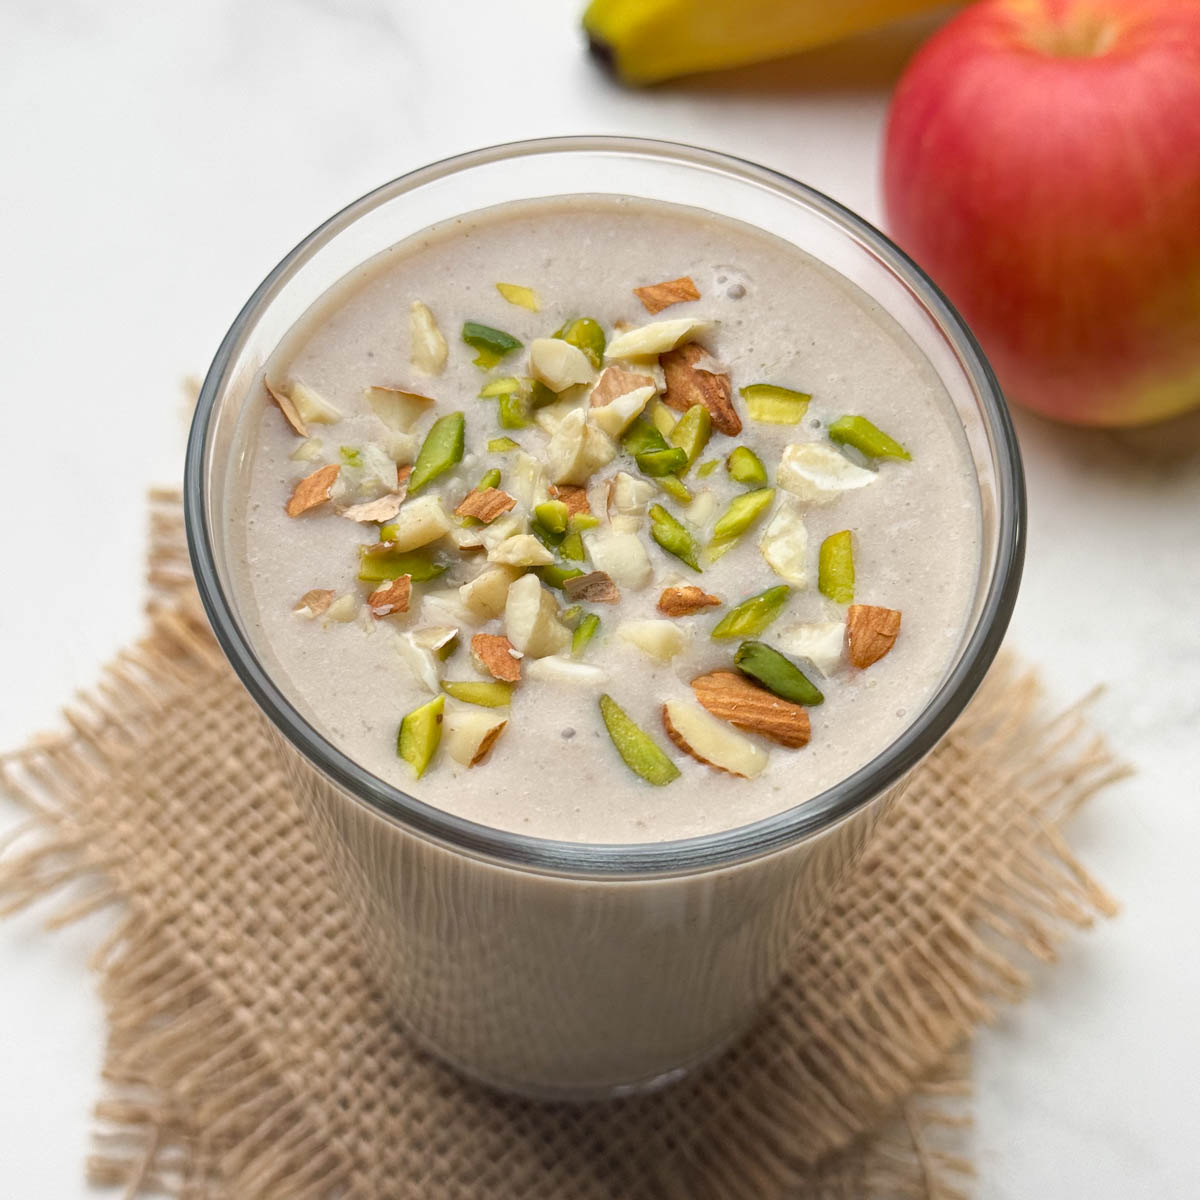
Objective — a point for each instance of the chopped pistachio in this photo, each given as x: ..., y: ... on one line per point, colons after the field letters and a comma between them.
x: 513, y: 409
x: 741, y: 514
x: 744, y: 466
x: 500, y: 387
x: 663, y: 419
x: 492, y: 344
x: 488, y: 694
x: 673, y: 536
x: 776, y: 673
x: 835, y: 567
x: 580, y: 521
x: 387, y: 533
x: 555, y: 576
x: 380, y: 561
x: 350, y: 456
x: 657, y: 463
x: 707, y: 468
x: 523, y: 297
x: 674, y: 487
x: 540, y: 395
x: 571, y: 547
x: 584, y: 632
x: 866, y: 438
x: 570, y: 616
x: 490, y: 479
x: 502, y: 445
x: 641, y: 438
x: 640, y: 753
x: 586, y: 335
x: 552, y: 515
x: 692, y: 432
x: 775, y: 405
x: 420, y: 733
x: 752, y: 616
x: 441, y: 450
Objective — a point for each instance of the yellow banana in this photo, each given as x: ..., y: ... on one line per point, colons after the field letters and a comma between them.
x: 650, y: 40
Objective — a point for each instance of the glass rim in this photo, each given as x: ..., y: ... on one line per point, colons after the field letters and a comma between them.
x: 677, y: 856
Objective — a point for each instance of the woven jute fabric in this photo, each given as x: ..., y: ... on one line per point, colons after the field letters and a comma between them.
x: 249, y: 1055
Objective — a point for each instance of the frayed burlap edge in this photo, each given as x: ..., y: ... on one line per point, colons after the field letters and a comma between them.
x: 191, y: 1102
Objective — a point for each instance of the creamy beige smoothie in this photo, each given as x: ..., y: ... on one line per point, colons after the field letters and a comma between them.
x: 783, y: 472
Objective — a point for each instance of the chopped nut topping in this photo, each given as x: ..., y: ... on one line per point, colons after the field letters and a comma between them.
x: 616, y: 382
x: 573, y: 496
x: 689, y: 383
x: 658, y: 296
x: 314, y: 603
x: 429, y: 349
x: 402, y: 474
x: 289, y: 410
x: 383, y: 509
x: 683, y: 601
x: 870, y: 632
x: 494, y: 653
x: 594, y: 588
x: 398, y: 408
x: 391, y: 597
x: 733, y: 698
x: 711, y: 742
x: 485, y: 506
x: 485, y: 746
x: 313, y: 490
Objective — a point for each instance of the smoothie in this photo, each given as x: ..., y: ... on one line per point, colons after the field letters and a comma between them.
x: 604, y: 521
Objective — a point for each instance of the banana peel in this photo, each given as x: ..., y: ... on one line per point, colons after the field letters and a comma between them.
x: 646, y: 41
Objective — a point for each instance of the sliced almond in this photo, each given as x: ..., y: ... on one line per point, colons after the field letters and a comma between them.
x: 573, y: 496
x: 577, y: 450
x: 558, y: 364
x: 657, y: 338
x: 484, y: 595
x: 314, y: 603
x: 391, y: 597
x: 531, y: 619
x: 383, y: 509
x: 397, y: 408
x: 420, y: 522
x: 313, y: 490
x: 593, y: 588
x: 285, y: 405
x: 621, y: 556
x: 688, y: 384
x: 616, y: 417
x: 468, y: 734
x: 817, y: 473
x: 871, y: 632
x: 494, y: 653
x: 733, y: 698
x: 429, y: 349
x: 709, y: 741
x: 616, y: 382
x: 521, y: 550
x: 313, y: 408
x: 485, y: 506
x: 659, y: 640
x: 683, y: 601
x: 658, y: 296
x: 402, y: 474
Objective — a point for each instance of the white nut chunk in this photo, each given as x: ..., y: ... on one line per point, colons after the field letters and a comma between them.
x: 784, y: 544
x: 420, y: 522
x: 420, y: 660
x: 556, y: 669
x: 468, y: 734
x: 621, y: 556
x: 429, y: 349
x: 531, y: 619
x: 397, y: 409
x: 521, y: 550
x: 614, y: 418
x: 823, y: 643
x: 313, y: 408
x: 628, y: 500
x: 577, y: 450
x: 558, y: 364
x: 659, y: 640
x: 484, y: 596
x: 710, y: 740
x: 656, y: 338
x: 818, y: 473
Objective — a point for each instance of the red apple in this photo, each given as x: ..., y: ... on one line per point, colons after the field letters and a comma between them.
x: 1043, y: 165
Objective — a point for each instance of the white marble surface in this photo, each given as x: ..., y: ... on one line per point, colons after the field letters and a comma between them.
x: 159, y: 158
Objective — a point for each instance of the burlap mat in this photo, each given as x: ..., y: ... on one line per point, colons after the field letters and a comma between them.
x: 249, y: 1057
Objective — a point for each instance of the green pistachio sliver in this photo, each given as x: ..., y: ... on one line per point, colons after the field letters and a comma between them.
x: 673, y: 536
x: 553, y: 515
x: 657, y: 463
x: 662, y: 418
x: 641, y: 438
x: 752, y: 616
x: 705, y: 469
x: 572, y: 547
x: 570, y: 616
x: 490, y: 479
x: 489, y: 694
x: 774, y: 405
x: 640, y: 753
x: 586, y: 335
x: 776, y: 673
x: 378, y: 562
x: 492, y: 344
x: 387, y: 533
x: 350, y: 456
x: 500, y: 387
x: 675, y: 488
x: 518, y: 294
x: 539, y: 394
x: 513, y: 410
x: 502, y: 445
x: 555, y: 575
x: 419, y: 735
x: 441, y: 450
x: 580, y: 522
x: 744, y: 466
x: 692, y: 432
x: 867, y: 438
x: 835, y: 567
x: 584, y: 632
x: 742, y: 512
x: 447, y: 651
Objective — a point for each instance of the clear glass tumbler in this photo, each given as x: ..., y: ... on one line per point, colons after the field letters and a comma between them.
x: 552, y: 968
